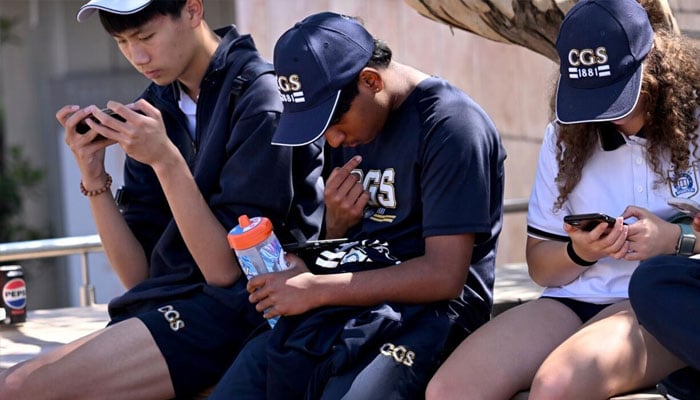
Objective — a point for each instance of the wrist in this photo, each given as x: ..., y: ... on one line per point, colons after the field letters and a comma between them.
x: 576, y: 258
x: 92, y: 191
x: 686, y: 241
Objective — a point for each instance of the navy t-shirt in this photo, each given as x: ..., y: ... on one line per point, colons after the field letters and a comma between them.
x: 436, y: 168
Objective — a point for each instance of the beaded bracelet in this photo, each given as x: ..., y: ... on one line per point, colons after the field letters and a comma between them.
x: 575, y: 257
x: 91, y: 193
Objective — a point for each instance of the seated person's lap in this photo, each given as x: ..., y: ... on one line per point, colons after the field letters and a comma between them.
x: 198, y: 338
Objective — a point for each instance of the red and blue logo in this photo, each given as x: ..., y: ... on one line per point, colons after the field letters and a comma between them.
x: 14, y: 294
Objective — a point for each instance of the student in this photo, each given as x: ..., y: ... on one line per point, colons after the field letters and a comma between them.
x: 623, y: 143
x: 198, y: 156
x: 417, y: 187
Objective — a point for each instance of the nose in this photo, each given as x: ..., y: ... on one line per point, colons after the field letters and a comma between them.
x: 334, y: 137
x: 136, y: 54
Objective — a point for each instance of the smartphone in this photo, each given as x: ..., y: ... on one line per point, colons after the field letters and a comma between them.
x: 313, y: 245
x: 588, y: 222
x: 83, y: 127
x: 686, y: 206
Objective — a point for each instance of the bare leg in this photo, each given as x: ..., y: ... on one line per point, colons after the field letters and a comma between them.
x: 610, y: 355
x: 121, y: 361
x: 501, y: 357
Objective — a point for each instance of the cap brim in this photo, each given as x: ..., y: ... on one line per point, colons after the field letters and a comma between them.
x: 577, y: 105
x: 304, y: 127
x: 122, y: 7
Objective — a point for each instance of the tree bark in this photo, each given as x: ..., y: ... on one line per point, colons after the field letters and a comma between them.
x: 533, y: 24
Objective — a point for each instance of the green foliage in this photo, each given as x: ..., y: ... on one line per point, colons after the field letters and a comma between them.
x: 17, y: 175
x: 17, y: 178
x: 6, y: 34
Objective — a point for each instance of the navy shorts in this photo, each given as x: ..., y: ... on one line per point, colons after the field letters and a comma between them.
x: 199, y: 336
x: 583, y: 310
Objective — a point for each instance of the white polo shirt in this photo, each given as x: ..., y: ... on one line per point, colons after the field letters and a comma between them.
x: 611, y: 180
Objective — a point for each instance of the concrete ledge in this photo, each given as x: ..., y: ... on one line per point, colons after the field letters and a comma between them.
x: 48, y: 329
x: 513, y: 286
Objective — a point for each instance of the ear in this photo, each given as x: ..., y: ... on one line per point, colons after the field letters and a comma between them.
x: 194, y: 10
x: 371, y: 79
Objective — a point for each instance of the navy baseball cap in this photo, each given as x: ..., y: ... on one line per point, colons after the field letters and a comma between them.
x: 313, y: 61
x: 601, y: 46
x: 113, y: 6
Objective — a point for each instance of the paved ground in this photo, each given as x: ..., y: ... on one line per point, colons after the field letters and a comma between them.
x: 46, y: 330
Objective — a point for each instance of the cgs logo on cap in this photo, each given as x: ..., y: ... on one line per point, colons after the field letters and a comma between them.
x: 290, y: 89
x: 14, y: 293
x: 588, y: 63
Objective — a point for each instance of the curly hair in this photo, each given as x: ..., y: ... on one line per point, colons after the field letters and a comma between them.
x: 670, y: 90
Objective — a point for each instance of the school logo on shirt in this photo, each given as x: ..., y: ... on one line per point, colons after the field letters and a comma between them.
x: 687, y: 183
x: 382, y: 193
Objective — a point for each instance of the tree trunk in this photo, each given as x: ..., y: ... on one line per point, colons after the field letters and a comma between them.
x: 533, y: 24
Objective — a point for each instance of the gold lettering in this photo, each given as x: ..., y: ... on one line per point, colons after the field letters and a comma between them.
x: 573, y: 58
x: 386, y: 349
x: 586, y: 57
x: 283, y: 83
x: 295, y: 82
x: 602, y: 55
x: 410, y: 357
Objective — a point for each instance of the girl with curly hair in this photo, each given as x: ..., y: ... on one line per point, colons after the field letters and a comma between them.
x: 624, y: 142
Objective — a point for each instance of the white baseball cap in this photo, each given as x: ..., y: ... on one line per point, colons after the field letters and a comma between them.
x: 113, y: 6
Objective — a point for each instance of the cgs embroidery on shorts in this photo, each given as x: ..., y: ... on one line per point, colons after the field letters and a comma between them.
x: 173, y: 317
x: 400, y: 354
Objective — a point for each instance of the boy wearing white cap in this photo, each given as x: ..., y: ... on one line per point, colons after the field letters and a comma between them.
x: 199, y: 154
x: 623, y: 143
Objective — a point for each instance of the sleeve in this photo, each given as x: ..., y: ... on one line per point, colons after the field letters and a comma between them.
x: 462, y: 174
x: 543, y: 222
x: 259, y: 178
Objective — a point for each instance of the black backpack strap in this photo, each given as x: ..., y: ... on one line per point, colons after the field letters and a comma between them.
x: 249, y: 74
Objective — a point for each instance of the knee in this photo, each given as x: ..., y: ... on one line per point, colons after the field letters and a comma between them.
x: 12, y: 384
x: 551, y: 387
x: 441, y: 389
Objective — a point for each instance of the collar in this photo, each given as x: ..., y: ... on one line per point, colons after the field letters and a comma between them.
x: 611, y: 138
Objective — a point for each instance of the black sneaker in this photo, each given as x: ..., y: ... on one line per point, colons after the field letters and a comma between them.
x: 683, y: 384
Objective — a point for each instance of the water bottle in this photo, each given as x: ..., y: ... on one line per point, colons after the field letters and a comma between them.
x: 257, y: 248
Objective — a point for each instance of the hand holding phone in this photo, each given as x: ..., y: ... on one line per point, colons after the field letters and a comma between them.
x: 686, y: 206
x: 313, y: 245
x: 588, y: 222
x: 82, y: 127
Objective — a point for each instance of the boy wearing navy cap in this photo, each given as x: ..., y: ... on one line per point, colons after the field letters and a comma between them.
x: 615, y: 148
x: 416, y: 184
x: 199, y: 154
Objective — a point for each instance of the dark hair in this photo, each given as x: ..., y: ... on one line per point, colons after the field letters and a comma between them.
x: 116, y: 23
x: 381, y: 57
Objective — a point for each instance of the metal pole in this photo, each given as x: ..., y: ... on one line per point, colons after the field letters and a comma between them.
x: 87, y: 290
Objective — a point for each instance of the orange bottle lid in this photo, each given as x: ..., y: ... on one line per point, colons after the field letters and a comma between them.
x: 249, y: 232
